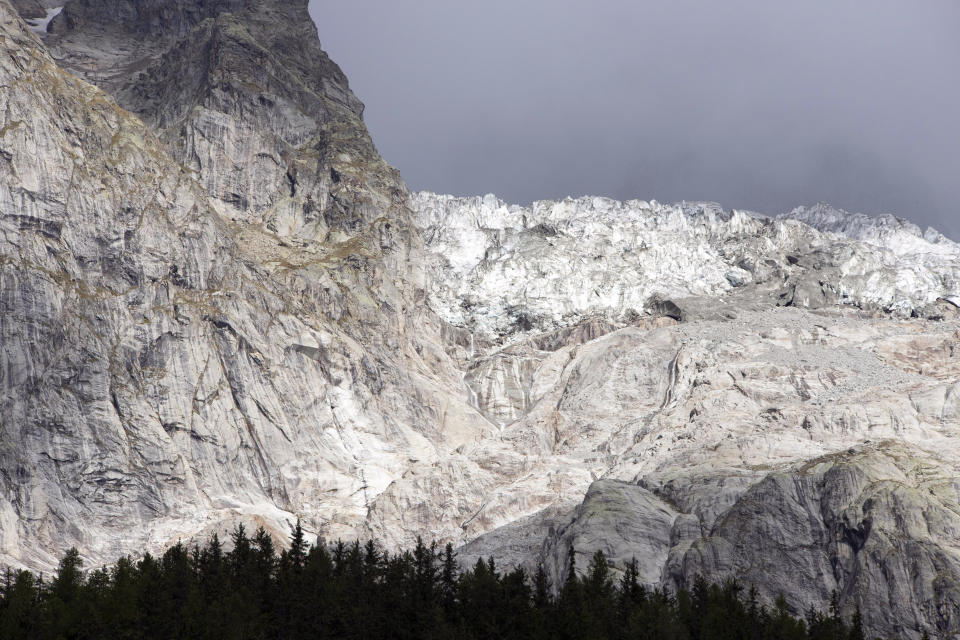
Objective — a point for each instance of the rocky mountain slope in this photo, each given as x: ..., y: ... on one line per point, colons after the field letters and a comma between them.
x: 219, y: 304
x: 169, y: 365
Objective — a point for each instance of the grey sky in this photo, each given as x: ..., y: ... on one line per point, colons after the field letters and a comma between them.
x: 756, y: 104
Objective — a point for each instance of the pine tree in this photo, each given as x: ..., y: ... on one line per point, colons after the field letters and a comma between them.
x: 297, y: 583
x: 570, y: 604
x: 696, y: 613
x: 63, y: 593
x: 541, y: 589
x: 598, y: 581
x: 371, y: 560
x: 856, y: 626
x: 19, y: 614
x: 425, y: 571
x: 597, y: 611
x: 835, y: 605
x: 631, y: 596
x: 571, y: 567
x: 125, y: 587
x: 66, y: 586
x: 478, y: 596
x: 241, y: 558
x: 448, y: 581
x: 297, y: 554
x: 339, y: 554
x: 754, y: 612
x: 215, y: 589
x: 513, y: 609
x: 837, y: 629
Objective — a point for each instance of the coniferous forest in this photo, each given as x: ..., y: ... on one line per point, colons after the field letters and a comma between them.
x: 359, y: 591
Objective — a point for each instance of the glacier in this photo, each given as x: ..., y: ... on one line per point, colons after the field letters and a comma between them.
x: 555, y: 263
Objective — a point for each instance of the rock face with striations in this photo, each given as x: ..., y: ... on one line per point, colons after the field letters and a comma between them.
x: 218, y: 304
x: 170, y: 364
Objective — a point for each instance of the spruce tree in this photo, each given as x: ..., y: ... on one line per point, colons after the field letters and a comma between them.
x: 66, y: 586
x: 570, y: 604
x: 541, y: 588
x: 297, y: 554
x: 19, y: 619
x: 571, y: 579
x: 856, y: 626
x: 448, y: 581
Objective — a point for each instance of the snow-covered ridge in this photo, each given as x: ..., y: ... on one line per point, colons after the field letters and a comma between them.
x: 890, y: 232
x: 499, y: 268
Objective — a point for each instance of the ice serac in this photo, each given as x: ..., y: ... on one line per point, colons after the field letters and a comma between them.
x: 501, y: 267
x: 219, y: 304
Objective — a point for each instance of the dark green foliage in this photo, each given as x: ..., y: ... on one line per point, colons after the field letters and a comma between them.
x: 359, y: 591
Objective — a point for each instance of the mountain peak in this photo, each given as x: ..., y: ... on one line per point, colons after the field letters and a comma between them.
x: 166, y: 18
x: 241, y: 80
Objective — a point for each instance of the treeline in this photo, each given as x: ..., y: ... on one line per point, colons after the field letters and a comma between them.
x: 358, y: 591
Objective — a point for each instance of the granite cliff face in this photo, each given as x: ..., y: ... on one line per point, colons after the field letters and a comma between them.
x: 219, y: 304
x: 170, y: 364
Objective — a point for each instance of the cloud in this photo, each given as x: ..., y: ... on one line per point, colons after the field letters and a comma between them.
x: 754, y: 104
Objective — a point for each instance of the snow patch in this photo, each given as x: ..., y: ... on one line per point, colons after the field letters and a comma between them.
x: 39, y: 25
